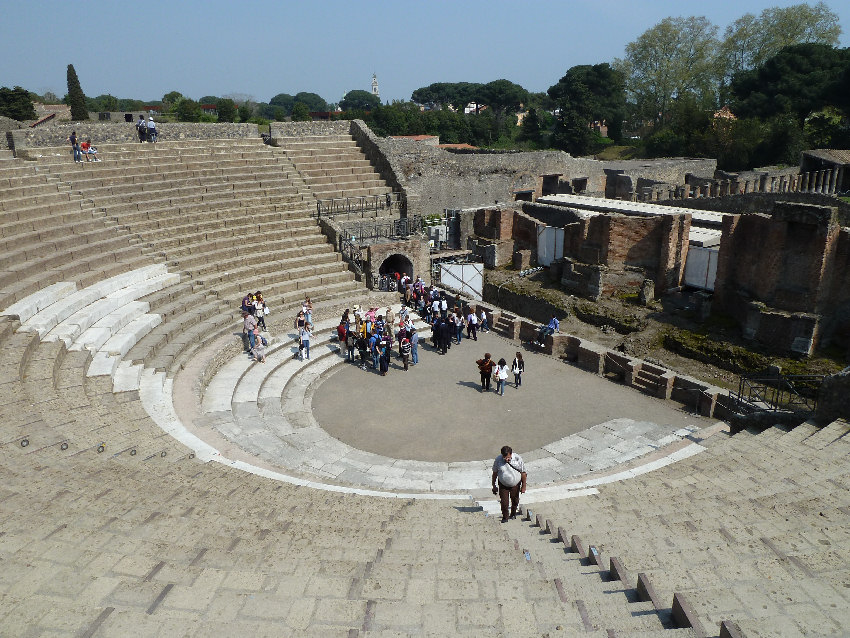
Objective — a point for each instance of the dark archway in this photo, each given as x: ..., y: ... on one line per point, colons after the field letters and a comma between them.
x: 396, y: 264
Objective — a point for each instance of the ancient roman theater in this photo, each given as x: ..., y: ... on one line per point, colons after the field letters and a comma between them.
x: 157, y: 480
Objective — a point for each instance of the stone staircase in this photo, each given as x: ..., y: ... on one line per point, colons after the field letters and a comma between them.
x: 333, y: 166
x: 506, y: 325
x: 746, y: 532
x: 112, y: 527
x: 229, y: 216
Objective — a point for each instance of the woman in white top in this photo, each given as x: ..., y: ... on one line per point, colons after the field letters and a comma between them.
x: 500, y: 372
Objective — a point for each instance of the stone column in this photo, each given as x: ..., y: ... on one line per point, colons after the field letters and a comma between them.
x: 830, y: 182
x: 804, y: 183
x: 839, y: 175
x: 746, y: 186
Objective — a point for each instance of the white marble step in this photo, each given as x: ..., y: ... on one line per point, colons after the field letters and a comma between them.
x: 31, y: 305
x: 105, y: 361
x: 71, y: 328
x: 219, y: 391
x: 94, y: 337
x: 52, y: 315
x: 128, y: 377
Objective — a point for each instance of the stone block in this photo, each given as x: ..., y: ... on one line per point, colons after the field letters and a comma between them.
x: 684, y: 615
x: 646, y: 592
x: 617, y: 571
x: 591, y: 357
x: 522, y: 260
x: 577, y: 546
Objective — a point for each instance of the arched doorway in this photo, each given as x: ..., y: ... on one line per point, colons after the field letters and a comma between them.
x: 396, y: 264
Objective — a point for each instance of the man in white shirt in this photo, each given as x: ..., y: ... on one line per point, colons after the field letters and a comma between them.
x: 509, y: 480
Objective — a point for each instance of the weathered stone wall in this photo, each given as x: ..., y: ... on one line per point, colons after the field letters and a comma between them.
x: 623, y: 175
x: 123, y: 132
x: 784, y: 276
x: 308, y: 129
x: 550, y: 215
x: 434, y: 179
x: 761, y: 203
x: 833, y: 397
x: 416, y: 250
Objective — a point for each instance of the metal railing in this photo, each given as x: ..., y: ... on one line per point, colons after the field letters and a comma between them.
x: 774, y: 393
x: 353, y: 255
x: 377, y: 229
x: 361, y: 204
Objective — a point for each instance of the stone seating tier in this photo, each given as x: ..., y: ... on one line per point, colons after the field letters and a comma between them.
x: 783, y: 478
x: 168, y: 524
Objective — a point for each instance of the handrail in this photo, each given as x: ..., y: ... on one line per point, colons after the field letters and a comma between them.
x: 780, y: 392
x: 358, y: 204
x: 390, y: 229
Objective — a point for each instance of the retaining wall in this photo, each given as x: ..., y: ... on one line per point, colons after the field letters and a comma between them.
x: 124, y: 132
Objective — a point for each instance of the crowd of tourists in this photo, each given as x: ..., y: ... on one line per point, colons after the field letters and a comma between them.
x: 372, y: 337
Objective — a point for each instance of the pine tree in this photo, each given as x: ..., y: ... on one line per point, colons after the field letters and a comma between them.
x: 76, y: 99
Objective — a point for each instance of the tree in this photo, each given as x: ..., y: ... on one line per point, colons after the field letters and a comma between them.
x: 16, y: 104
x: 750, y: 41
x: 600, y: 88
x: 226, y: 109
x: 102, y: 103
x: 209, y: 99
x: 313, y: 101
x: 359, y: 101
x: 284, y: 101
x: 530, y: 129
x: 300, y: 113
x: 503, y: 96
x: 442, y: 94
x: 127, y: 104
x: 187, y: 110
x: 76, y: 99
x: 245, y: 112
x: 796, y: 81
x: 826, y: 128
x: 676, y: 56
x: 170, y: 100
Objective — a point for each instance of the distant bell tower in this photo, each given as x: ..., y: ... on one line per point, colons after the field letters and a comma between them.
x: 375, y: 90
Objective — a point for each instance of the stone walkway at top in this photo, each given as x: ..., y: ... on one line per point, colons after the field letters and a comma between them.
x: 431, y: 429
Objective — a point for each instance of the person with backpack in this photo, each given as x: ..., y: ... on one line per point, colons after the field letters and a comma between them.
x: 142, y: 128
x: 351, y: 344
x: 151, y: 130
x: 485, y: 368
x: 363, y: 349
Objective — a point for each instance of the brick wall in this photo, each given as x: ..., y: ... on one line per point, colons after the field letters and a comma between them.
x: 785, y: 276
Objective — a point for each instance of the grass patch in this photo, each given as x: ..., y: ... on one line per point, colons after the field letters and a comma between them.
x: 613, y: 153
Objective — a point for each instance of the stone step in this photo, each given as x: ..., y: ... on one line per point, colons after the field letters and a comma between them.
x: 828, y: 434
x: 64, y: 307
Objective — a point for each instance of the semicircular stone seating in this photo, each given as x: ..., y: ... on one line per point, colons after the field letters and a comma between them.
x: 266, y: 410
x: 118, y: 519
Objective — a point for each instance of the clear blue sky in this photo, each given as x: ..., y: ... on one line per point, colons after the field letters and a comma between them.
x: 261, y: 48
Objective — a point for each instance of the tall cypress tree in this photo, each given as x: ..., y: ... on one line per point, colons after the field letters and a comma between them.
x: 76, y: 99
